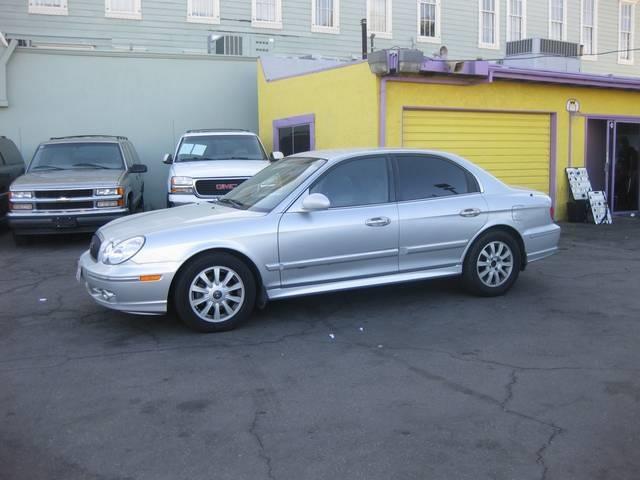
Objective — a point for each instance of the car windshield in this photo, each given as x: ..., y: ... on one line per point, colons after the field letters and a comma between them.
x: 220, y: 147
x: 76, y: 156
x: 270, y: 186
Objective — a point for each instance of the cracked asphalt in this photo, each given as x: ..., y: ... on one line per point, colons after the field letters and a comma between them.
x: 420, y: 381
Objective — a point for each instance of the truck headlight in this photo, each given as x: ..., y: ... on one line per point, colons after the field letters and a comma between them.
x: 116, y: 253
x: 17, y: 195
x: 103, y: 192
x: 182, y: 185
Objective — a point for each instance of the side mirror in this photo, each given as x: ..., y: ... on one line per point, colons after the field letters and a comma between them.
x: 316, y: 201
x: 138, y: 168
x: 275, y: 156
x: 167, y: 159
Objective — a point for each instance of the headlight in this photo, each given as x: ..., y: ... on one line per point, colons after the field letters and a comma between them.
x: 181, y: 185
x: 101, y: 192
x: 116, y: 253
x: 21, y: 195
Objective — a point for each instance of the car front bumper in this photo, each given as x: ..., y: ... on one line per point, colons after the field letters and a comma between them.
x: 120, y: 287
x: 62, y: 222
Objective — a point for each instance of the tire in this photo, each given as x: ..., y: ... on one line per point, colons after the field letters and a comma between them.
x: 492, y: 264
x: 209, y: 302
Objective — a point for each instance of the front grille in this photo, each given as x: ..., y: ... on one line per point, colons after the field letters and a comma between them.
x: 64, y: 193
x: 94, y: 247
x: 64, y: 205
x: 217, y: 187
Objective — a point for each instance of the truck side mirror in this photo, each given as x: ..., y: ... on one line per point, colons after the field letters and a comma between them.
x: 275, y: 156
x: 167, y: 159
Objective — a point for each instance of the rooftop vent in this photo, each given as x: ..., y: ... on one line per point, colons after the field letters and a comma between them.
x: 544, y: 54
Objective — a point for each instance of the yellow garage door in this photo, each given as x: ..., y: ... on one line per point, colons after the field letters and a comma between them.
x: 515, y: 147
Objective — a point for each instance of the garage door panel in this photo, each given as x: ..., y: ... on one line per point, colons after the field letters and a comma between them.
x: 515, y: 147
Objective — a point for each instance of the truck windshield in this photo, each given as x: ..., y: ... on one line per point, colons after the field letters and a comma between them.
x: 220, y: 147
x: 72, y: 156
x: 270, y: 186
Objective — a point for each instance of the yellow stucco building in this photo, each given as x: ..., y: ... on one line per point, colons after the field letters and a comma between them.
x: 521, y: 125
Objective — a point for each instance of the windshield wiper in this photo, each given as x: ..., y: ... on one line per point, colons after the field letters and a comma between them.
x: 191, y: 159
x: 233, y: 203
x: 91, y: 165
x: 48, y: 167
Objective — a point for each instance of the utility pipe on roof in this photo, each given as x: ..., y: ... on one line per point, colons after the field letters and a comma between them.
x: 4, y: 60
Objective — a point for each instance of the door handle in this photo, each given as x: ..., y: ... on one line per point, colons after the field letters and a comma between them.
x: 470, y: 212
x: 378, y: 222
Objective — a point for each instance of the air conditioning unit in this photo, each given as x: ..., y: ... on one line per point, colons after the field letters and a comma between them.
x: 544, y: 54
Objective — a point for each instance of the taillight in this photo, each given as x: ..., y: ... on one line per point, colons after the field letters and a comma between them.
x: 552, y: 212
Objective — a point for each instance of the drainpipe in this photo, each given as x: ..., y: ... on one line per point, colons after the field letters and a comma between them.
x: 4, y: 59
x: 570, y: 162
x: 382, y: 125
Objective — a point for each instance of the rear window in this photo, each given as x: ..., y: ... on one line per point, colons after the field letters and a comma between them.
x: 220, y: 147
x: 75, y: 156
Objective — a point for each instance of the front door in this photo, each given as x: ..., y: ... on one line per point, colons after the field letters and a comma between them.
x: 440, y: 210
x: 356, y: 237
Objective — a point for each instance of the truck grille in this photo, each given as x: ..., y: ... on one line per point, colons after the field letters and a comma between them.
x: 94, y: 247
x: 64, y: 205
x: 63, y: 193
x: 217, y: 187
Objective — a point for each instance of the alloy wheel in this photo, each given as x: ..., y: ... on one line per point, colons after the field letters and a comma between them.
x: 495, y: 264
x: 216, y: 294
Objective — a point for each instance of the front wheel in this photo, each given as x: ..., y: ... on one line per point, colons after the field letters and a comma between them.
x: 215, y: 292
x: 492, y: 264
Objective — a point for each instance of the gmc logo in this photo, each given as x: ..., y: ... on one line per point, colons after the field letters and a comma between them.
x: 226, y: 186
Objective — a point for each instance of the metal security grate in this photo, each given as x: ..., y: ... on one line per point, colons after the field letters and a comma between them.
x: 229, y: 45
x: 63, y: 193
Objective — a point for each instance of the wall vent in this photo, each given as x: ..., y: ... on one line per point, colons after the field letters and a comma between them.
x: 226, y: 45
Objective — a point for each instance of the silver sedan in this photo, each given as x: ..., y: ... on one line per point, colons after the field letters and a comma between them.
x: 318, y: 222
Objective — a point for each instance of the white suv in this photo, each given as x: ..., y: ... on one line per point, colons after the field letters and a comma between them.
x: 210, y: 163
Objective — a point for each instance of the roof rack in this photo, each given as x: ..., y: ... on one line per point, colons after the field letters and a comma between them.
x: 204, y: 130
x: 119, y: 137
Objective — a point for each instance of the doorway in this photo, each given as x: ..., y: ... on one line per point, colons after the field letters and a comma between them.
x: 612, y: 162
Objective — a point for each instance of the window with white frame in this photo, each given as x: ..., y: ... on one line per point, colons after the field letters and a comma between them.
x: 379, y: 17
x: 266, y: 13
x: 48, y: 7
x: 489, y: 34
x: 516, y: 20
x: 626, y: 28
x: 557, y: 19
x: 124, y: 9
x: 325, y: 16
x: 429, y: 20
x: 588, y: 28
x: 203, y: 11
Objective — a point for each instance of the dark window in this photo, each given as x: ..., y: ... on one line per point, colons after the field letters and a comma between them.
x: 74, y: 155
x: 421, y: 176
x: 220, y: 147
x: 364, y: 181
x: 294, y: 139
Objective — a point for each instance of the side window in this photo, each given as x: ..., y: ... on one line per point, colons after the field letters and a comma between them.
x: 134, y: 154
x: 128, y: 157
x: 364, y: 181
x: 421, y: 176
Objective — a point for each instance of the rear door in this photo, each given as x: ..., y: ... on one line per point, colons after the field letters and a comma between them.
x: 356, y: 237
x: 440, y: 209
x: 11, y: 167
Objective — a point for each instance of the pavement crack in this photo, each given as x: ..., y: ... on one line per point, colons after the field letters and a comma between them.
x: 540, y: 453
x: 513, y: 379
x: 253, y: 430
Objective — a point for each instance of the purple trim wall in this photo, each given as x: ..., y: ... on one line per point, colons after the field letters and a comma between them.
x: 309, y: 119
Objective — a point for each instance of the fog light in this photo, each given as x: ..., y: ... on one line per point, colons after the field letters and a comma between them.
x: 107, y: 203
x: 21, y: 206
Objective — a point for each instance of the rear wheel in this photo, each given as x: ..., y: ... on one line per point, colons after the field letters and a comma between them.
x: 492, y: 264
x: 215, y: 292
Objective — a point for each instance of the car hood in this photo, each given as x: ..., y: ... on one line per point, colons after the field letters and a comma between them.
x: 218, y: 168
x: 171, y: 219
x: 59, y: 179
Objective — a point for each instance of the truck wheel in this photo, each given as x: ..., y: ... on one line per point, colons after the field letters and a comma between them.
x: 214, y: 293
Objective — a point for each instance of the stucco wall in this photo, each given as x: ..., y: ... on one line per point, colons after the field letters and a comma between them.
x: 150, y: 99
x: 344, y: 101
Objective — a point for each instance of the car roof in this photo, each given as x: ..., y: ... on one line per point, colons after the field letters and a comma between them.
x: 217, y: 131
x: 85, y: 139
x: 341, y: 154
